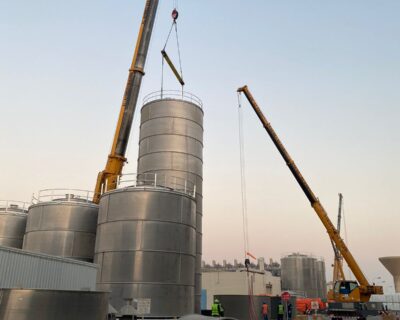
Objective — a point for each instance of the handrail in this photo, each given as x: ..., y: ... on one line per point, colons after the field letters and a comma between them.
x: 173, y: 94
x: 18, y: 207
x: 64, y: 195
x: 289, y: 254
x: 157, y: 180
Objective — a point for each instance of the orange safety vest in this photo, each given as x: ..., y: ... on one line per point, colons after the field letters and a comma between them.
x: 264, y: 309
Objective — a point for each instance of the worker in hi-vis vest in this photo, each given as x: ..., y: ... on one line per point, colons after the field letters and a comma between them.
x: 216, y: 309
x: 280, y: 311
x: 264, y: 311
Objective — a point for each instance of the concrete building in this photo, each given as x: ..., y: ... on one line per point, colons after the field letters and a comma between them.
x: 231, y: 279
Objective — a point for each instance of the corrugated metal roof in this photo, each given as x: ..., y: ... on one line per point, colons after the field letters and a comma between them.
x: 22, y: 269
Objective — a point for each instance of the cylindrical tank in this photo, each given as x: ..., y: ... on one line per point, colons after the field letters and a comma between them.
x: 321, y: 279
x: 33, y: 304
x: 62, y: 223
x: 145, y: 247
x: 13, y: 216
x: 299, y: 273
x: 171, y: 143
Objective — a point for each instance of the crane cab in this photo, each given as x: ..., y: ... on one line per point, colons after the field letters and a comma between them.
x: 345, y: 291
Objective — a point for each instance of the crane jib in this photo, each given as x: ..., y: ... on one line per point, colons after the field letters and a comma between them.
x: 315, y: 203
x: 107, y: 179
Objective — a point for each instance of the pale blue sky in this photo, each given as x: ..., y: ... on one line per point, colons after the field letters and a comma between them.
x: 326, y: 73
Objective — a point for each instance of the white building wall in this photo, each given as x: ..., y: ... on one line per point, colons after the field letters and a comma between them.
x: 22, y: 269
x: 225, y: 282
x: 391, y: 301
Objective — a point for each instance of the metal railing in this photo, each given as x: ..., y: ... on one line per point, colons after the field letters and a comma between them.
x: 173, y: 95
x: 14, y: 206
x: 301, y: 254
x: 63, y: 195
x: 157, y: 180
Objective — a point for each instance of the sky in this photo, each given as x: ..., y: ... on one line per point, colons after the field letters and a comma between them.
x: 325, y: 73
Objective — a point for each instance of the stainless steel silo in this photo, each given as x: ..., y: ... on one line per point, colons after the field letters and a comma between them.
x: 171, y: 143
x: 299, y: 274
x: 13, y: 216
x: 62, y: 223
x: 145, y: 247
x: 321, y: 279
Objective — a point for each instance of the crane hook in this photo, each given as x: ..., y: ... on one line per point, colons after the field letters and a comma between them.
x: 175, y: 14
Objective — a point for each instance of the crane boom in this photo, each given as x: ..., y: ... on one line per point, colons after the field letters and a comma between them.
x: 365, y: 288
x: 107, y: 179
x: 338, y: 273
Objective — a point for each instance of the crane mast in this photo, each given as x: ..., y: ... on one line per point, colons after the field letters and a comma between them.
x: 338, y: 273
x: 365, y: 288
x: 107, y: 179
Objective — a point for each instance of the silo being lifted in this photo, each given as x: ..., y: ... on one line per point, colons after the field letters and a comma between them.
x: 146, y: 246
x: 13, y: 216
x: 171, y: 143
x: 62, y: 223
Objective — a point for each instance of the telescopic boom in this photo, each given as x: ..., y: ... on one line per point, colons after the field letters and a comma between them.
x: 365, y: 288
x: 107, y: 179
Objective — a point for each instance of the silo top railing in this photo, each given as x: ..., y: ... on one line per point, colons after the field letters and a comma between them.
x: 63, y: 195
x: 301, y: 254
x: 157, y: 180
x: 173, y: 95
x: 14, y: 206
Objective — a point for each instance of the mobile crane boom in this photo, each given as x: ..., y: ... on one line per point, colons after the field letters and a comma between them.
x: 365, y: 289
x: 338, y: 273
x: 107, y: 179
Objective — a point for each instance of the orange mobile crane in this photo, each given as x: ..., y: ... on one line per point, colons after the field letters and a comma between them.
x: 107, y: 179
x: 358, y: 291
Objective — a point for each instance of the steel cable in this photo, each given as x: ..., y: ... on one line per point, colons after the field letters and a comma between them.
x: 252, y: 314
x: 243, y: 180
x: 174, y: 24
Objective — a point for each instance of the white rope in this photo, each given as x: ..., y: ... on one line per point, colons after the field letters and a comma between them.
x: 243, y: 179
x: 251, y: 307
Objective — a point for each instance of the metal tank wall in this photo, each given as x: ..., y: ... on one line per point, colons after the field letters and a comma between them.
x: 13, y: 216
x: 64, y: 226
x: 145, y: 247
x: 30, y: 304
x: 321, y: 279
x: 300, y: 273
x: 171, y: 143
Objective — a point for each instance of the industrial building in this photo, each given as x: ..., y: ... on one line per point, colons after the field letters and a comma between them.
x: 22, y: 269
x: 40, y: 286
x: 389, y: 301
x: 233, y: 279
x: 134, y: 245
